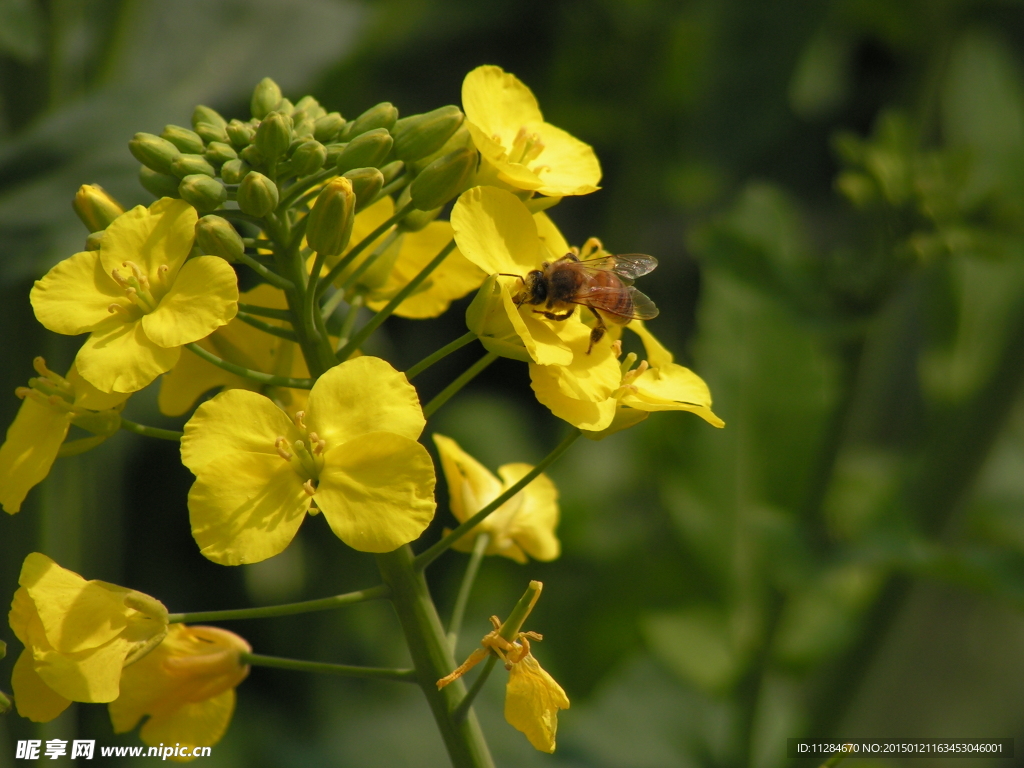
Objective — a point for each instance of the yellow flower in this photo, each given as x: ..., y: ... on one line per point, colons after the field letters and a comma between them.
x: 50, y: 405
x: 137, y: 296
x: 242, y: 344
x: 78, y: 635
x: 186, y: 686
x: 353, y: 453
x: 524, y: 525
x: 523, y: 151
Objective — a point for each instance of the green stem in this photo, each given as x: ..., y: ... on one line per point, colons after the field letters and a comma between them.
x: 428, y: 556
x: 350, y: 319
x: 478, y: 685
x: 276, y: 314
x: 432, y: 657
x: 331, y: 304
x: 359, y: 247
x: 298, y: 188
x: 440, y: 354
x: 231, y: 213
x: 286, y: 609
x: 364, y: 332
x: 455, y: 625
x: 324, y: 668
x: 266, y: 273
x: 370, y: 260
x: 141, y: 429
x: 273, y: 330
x: 467, y: 376
x: 262, y: 378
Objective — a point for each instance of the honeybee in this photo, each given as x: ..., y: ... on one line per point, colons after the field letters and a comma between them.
x: 603, y: 285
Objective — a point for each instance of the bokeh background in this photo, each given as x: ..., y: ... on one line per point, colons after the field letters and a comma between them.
x: 835, y: 192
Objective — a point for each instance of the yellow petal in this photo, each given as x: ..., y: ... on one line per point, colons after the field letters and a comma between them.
x: 495, y: 169
x: 74, y: 296
x: 567, y: 166
x: 585, y: 414
x: 498, y: 102
x: 35, y: 699
x: 119, y: 357
x: 496, y: 232
x: 553, y: 239
x: 87, y: 396
x: 657, y: 355
x: 533, y: 526
x: 33, y: 440
x: 199, y: 724
x: 245, y: 507
x: 90, y: 676
x: 532, y: 701
x: 161, y: 235
x: 377, y: 491
x: 360, y: 396
x: 470, y: 485
x: 203, y: 297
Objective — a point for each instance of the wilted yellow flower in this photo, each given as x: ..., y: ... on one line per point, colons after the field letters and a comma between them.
x: 78, y: 635
x: 137, y: 296
x: 186, y: 687
x: 51, y: 404
x: 523, y: 525
x: 241, y: 344
x: 353, y: 454
x: 524, y: 152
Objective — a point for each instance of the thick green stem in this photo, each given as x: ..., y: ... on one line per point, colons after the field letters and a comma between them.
x: 325, y: 668
x: 467, y: 376
x: 142, y: 429
x: 285, y: 609
x: 440, y: 354
x: 262, y: 378
x: 432, y: 658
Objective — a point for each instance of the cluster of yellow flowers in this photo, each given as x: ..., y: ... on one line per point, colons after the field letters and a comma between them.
x: 330, y: 214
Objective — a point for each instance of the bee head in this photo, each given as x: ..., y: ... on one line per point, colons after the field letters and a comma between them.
x: 536, y: 286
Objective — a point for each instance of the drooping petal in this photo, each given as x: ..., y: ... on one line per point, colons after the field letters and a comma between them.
x: 377, y: 491
x: 87, y: 396
x: 119, y: 357
x: 532, y: 701
x: 202, y: 298
x: 75, y: 296
x: 533, y: 526
x: 245, y: 507
x: 496, y: 231
x: 470, y: 485
x: 360, y: 396
x: 195, y: 724
x: 33, y: 440
x: 567, y: 165
x: 154, y: 237
x: 35, y: 699
x: 585, y: 414
x: 498, y: 102
x: 89, y: 676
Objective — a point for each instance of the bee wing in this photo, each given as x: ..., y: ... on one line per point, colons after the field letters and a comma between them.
x: 629, y: 266
x: 610, y: 299
x: 643, y: 307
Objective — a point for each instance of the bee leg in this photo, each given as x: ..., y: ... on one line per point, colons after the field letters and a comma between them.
x: 597, y: 332
x: 554, y: 315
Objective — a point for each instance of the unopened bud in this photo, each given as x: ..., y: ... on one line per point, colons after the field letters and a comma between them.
x: 216, y: 237
x: 186, y: 165
x: 384, y: 115
x: 309, y: 107
x: 422, y: 135
x: 94, y: 240
x: 327, y: 127
x: 252, y: 155
x: 460, y: 139
x: 203, y: 114
x: 304, y: 127
x: 285, y: 107
x: 183, y: 139
x: 154, y: 152
x: 219, y: 153
x: 210, y: 132
x: 443, y: 179
x: 202, y: 192
x: 265, y: 98
x: 415, y: 220
x: 95, y: 207
x: 307, y: 158
x: 274, y: 136
x: 257, y: 195
x: 159, y: 184
x: 366, y: 183
x: 365, y: 151
x: 487, y: 316
x: 233, y: 171
x: 329, y: 225
x: 392, y: 170
x: 240, y: 134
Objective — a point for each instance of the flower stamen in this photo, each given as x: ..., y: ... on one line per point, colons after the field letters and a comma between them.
x: 281, y: 450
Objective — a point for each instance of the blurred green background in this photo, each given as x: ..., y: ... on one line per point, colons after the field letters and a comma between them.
x: 835, y: 192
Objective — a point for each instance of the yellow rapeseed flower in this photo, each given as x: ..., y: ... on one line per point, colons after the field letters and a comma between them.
x: 352, y: 455
x: 518, y: 147
x: 137, y: 296
x: 50, y: 405
x: 78, y: 635
x: 524, y: 525
x: 186, y: 687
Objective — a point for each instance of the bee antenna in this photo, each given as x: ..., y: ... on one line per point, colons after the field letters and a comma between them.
x: 509, y: 274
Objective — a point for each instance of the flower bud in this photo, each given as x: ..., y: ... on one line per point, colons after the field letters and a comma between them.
x: 183, y: 139
x: 265, y: 98
x: 216, y: 237
x: 308, y: 157
x: 158, y: 184
x: 384, y: 115
x: 210, y: 132
x: 327, y: 127
x: 233, y: 171
x: 274, y: 136
x: 186, y: 165
x: 392, y: 170
x: 309, y: 107
x: 487, y: 317
x: 252, y: 155
x: 203, y: 114
x: 459, y: 139
x: 443, y: 179
x: 415, y: 220
x: 329, y: 225
x: 285, y: 107
x: 219, y: 153
x: 154, y: 152
x: 95, y: 207
x: 257, y: 195
x: 202, y: 192
x: 365, y: 151
x: 422, y: 135
x: 241, y: 134
x: 366, y: 183
x: 304, y: 128
x: 94, y: 240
